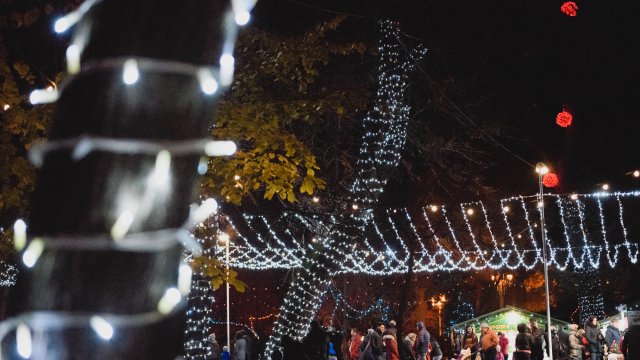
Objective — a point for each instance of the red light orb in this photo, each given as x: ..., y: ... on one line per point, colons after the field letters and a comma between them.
x: 569, y: 8
x: 564, y: 119
x: 550, y: 180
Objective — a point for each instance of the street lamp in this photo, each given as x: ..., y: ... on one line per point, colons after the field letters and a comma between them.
x: 224, y: 237
x: 542, y: 169
x: 439, y: 305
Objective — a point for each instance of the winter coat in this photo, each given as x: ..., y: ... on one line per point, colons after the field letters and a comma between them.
x: 524, y: 341
x: 240, y: 351
x: 612, y: 334
x: 489, y: 339
x: 215, y: 349
x: 470, y: 341
x: 422, y: 343
x: 594, y: 336
x: 631, y: 343
x: 354, y: 347
x: 407, y: 350
x: 504, y: 344
x: 575, y: 346
x: 391, y: 347
x: 435, y: 349
x: 376, y: 344
x: 366, y: 349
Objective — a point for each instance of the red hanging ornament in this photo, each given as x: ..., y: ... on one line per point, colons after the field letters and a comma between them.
x: 569, y: 8
x: 564, y: 118
x: 550, y: 180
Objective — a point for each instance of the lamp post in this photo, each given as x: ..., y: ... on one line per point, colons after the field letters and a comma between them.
x: 439, y: 305
x: 224, y: 237
x: 542, y: 169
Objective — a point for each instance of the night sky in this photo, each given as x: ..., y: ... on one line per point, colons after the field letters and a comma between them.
x: 534, y: 61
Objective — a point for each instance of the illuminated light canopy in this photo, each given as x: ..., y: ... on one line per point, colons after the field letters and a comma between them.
x: 569, y: 8
x: 550, y: 180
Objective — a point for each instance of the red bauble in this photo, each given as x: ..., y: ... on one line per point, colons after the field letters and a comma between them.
x: 550, y: 180
x: 564, y: 118
x: 569, y: 8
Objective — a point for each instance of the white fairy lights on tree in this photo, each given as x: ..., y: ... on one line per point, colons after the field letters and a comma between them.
x: 385, y: 126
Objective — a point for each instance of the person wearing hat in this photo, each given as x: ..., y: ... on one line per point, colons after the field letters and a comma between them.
x: 488, y: 342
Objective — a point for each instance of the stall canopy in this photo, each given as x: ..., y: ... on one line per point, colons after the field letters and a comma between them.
x: 506, y: 320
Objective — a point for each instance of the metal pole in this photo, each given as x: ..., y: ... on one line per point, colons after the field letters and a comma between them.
x: 440, y: 321
x: 228, y: 305
x: 544, y: 263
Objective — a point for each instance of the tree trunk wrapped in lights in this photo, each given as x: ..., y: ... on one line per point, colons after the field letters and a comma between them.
x: 383, y: 140
x: 101, y: 274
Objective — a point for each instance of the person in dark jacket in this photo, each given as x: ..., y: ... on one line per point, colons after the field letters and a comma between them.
x: 537, y: 353
x: 595, y: 338
x: 436, y: 352
x: 631, y: 343
x: 407, y: 347
x: 612, y: 336
x: 377, y: 344
x: 563, y: 338
x: 523, y: 344
x: 422, y: 346
x: 367, y: 346
x: 316, y: 343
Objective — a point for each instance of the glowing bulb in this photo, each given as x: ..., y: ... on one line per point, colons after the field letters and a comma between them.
x: 519, y: 236
x: 73, y: 59
x: 227, y: 63
x: 242, y: 17
x: 208, y: 207
x: 220, y: 148
x: 314, y: 240
x: 130, y: 73
x: 208, y: 84
x: 19, y: 234
x: 316, y: 199
x: 236, y: 177
x: 61, y: 25
x: 23, y: 340
x: 122, y: 225
x: 635, y: 173
x: 33, y: 252
x: 50, y: 88
x: 506, y: 209
x: 101, y: 327
x: 540, y: 204
x: 605, y: 187
x: 169, y: 300
x: 434, y: 208
x: 42, y: 97
x: 223, y: 237
x: 355, y: 207
x: 574, y: 196
x: 469, y: 211
x: 6, y: 107
x: 184, y: 278
x: 163, y: 165
x: 541, y: 168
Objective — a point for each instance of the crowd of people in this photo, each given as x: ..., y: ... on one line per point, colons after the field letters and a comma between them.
x: 580, y: 343
x: 384, y: 342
